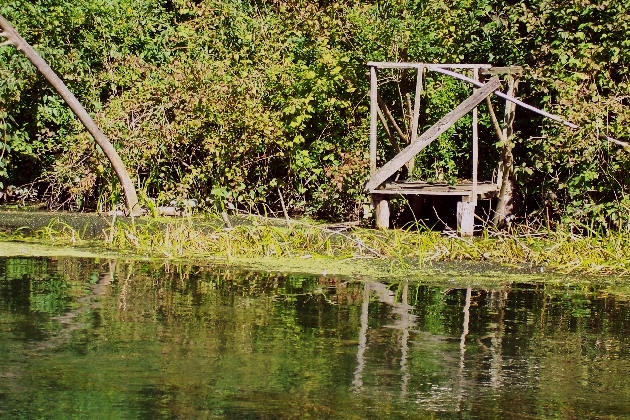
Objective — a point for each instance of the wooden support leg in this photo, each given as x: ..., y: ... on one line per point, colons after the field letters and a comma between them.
x: 465, y: 217
x: 381, y: 208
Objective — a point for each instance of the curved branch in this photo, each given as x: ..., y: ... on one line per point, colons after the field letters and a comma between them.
x: 13, y: 38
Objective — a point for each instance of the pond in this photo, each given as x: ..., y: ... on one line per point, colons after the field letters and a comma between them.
x: 114, y: 339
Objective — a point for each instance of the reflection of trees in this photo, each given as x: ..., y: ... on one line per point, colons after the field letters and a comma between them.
x: 206, y: 339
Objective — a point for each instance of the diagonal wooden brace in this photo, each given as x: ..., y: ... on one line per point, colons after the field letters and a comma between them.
x: 431, y: 134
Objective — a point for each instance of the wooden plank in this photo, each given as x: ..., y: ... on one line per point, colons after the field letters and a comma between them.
x: 373, y: 118
x: 500, y: 71
x: 431, y: 134
x: 439, y: 185
x: 416, y: 117
x: 457, y: 193
x: 502, y: 95
x: 464, y: 182
x: 394, y: 65
x: 475, y: 141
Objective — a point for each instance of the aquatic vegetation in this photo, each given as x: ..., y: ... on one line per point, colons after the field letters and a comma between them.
x: 255, y: 237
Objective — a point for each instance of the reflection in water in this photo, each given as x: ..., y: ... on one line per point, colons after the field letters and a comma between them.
x: 88, y: 339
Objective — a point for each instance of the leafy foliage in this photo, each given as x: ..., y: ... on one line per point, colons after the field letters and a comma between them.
x: 253, y: 98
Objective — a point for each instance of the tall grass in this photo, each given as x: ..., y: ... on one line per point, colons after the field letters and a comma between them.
x: 559, y: 249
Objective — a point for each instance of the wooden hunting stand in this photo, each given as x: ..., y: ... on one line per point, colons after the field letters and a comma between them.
x: 380, y: 185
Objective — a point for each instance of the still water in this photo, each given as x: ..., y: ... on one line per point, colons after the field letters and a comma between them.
x: 106, y: 339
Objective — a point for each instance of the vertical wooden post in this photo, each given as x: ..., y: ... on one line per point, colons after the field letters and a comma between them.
x: 466, y: 217
x: 381, y: 208
x: 416, y: 117
x: 373, y: 118
x: 475, y: 143
x: 381, y: 205
x: 507, y: 158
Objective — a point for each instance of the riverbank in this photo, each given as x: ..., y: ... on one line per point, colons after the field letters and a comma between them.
x: 307, y: 246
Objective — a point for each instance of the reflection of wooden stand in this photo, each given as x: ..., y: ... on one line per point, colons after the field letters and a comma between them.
x: 405, y: 322
x: 469, y: 191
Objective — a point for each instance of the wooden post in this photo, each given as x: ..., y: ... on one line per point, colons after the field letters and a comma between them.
x: 381, y: 209
x: 466, y: 217
x: 373, y: 118
x: 13, y: 38
x: 416, y: 117
x: 507, y: 159
x: 475, y: 144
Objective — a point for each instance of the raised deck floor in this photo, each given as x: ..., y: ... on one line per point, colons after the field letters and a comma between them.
x: 485, y: 189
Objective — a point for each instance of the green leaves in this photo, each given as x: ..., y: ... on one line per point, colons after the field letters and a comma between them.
x: 252, y: 96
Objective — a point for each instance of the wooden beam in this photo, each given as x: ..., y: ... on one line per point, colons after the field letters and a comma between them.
x: 416, y: 117
x: 393, y: 65
x: 431, y: 134
x: 373, y: 118
x: 499, y: 71
x: 475, y: 145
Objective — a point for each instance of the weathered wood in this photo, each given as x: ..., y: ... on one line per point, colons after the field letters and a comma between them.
x: 475, y: 145
x: 409, y: 113
x: 455, y: 193
x: 441, y: 70
x: 431, y: 134
x: 465, y: 218
x: 495, y: 122
x: 500, y: 71
x: 391, y: 65
x: 381, y: 210
x: 390, y: 117
x: 416, y: 117
x: 507, y: 159
x: 485, y: 189
x: 466, y: 183
x: 373, y: 118
x: 129, y: 190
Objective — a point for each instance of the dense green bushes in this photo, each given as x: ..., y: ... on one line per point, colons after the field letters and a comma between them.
x: 236, y: 100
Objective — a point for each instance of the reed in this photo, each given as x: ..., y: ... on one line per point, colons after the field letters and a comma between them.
x: 253, y: 237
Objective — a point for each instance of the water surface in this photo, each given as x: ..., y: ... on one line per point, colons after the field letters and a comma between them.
x: 85, y: 338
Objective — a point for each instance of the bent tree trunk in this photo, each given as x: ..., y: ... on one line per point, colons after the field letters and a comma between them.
x: 13, y: 38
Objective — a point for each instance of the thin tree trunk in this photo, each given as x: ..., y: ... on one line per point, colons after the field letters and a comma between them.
x: 13, y: 38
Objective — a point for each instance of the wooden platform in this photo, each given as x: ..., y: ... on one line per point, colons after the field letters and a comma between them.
x: 485, y: 189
